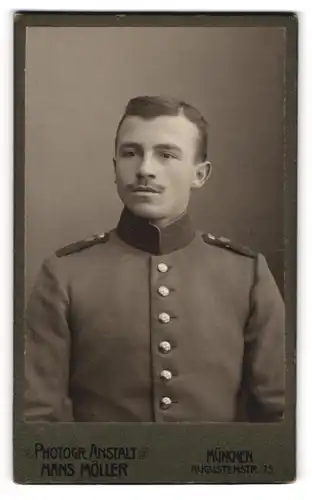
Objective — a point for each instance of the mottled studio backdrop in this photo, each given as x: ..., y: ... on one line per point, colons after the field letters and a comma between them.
x: 78, y: 81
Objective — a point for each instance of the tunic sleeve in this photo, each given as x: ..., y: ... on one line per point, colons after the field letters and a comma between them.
x: 47, y: 349
x: 264, y: 358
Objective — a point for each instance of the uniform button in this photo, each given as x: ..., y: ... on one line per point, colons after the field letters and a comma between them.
x: 164, y: 317
x: 164, y: 346
x: 166, y: 375
x: 162, y: 268
x: 163, y: 291
x: 165, y: 403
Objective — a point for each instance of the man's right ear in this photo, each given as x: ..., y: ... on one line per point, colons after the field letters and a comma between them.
x: 202, y: 174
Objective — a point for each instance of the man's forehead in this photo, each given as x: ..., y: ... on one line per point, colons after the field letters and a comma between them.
x: 162, y: 129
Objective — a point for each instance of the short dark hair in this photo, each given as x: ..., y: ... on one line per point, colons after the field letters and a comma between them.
x: 150, y: 107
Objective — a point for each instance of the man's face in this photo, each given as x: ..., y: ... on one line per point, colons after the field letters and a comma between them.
x: 156, y: 166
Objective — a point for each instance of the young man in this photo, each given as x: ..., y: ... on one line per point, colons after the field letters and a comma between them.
x: 154, y: 321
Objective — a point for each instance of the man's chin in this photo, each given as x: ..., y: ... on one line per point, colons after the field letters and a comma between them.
x: 146, y: 211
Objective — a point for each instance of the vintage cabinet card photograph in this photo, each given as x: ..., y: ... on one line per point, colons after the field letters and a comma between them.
x: 155, y: 248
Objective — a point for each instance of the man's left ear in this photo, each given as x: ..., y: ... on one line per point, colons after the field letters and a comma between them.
x: 202, y: 173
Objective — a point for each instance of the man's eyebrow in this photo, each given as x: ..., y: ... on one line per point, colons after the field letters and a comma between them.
x: 168, y: 146
x: 130, y: 145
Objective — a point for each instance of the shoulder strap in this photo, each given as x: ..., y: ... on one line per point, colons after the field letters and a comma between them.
x: 229, y: 245
x: 82, y: 244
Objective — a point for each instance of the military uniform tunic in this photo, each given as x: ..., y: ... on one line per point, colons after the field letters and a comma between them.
x: 148, y: 324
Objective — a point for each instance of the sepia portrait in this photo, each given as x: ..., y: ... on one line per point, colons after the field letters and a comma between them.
x: 154, y: 229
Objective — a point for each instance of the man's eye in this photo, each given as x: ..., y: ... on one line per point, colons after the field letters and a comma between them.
x: 127, y: 154
x: 167, y: 155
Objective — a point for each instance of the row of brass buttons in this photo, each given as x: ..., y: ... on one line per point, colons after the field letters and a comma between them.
x: 164, y: 346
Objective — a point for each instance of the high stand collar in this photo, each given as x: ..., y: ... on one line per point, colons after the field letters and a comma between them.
x: 143, y: 234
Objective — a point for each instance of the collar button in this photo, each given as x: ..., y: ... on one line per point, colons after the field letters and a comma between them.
x: 162, y: 267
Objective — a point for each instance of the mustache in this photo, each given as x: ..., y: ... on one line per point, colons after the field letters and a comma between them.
x: 146, y: 186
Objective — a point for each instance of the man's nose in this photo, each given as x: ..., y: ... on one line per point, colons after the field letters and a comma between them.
x: 146, y: 167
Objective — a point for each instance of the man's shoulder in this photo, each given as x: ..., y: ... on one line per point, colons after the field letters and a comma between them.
x: 100, y: 238
x: 83, y: 244
x: 227, y: 244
